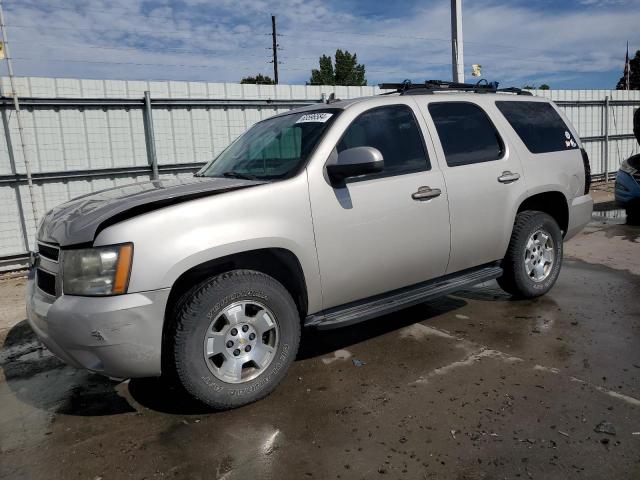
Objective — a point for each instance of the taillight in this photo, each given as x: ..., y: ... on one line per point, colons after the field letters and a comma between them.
x: 587, y: 171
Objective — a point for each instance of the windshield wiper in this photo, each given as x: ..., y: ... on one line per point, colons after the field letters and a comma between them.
x: 243, y: 176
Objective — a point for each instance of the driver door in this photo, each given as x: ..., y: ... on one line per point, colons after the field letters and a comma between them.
x: 372, y: 235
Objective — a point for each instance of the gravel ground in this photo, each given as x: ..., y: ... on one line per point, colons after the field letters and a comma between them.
x: 473, y: 386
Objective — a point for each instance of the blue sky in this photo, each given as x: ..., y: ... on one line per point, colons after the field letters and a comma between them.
x: 567, y: 44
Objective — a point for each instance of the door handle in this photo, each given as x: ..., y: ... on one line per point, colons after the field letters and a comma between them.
x: 425, y: 193
x: 508, y: 177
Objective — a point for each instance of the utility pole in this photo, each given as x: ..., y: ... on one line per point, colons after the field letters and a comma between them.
x: 457, y: 44
x: 275, y: 48
x: 627, y: 70
x: 16, y: 105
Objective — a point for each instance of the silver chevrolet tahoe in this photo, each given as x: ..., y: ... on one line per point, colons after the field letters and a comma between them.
x: 320, y: 217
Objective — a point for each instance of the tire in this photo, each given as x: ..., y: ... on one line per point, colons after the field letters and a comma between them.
x: 518, y: 279
x: 204, y: 323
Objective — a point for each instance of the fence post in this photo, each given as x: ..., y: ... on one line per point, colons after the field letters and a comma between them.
x: 606, y: 138
x: 14, y: 171
x: 149, y: 137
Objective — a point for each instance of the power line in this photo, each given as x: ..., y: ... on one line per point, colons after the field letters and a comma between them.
x: 275, y: 46
x: 298, y: 40
x: 285, y: 57
x: 18, y: 5
x: 414, y: 37
x: 141, y: 48
x: 208, y: 51
x: 15, y: 4
x: 136, y: 31
x: 108, y: 62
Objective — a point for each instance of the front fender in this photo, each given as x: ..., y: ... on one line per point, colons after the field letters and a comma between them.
x: 172, y: 240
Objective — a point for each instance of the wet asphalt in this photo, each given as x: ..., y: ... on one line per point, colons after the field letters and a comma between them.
x: 473, y: 386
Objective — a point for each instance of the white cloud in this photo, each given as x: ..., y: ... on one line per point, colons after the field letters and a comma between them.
x: 226, y: 40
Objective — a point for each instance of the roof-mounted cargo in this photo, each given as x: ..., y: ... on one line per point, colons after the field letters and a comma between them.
x: 435, y: 86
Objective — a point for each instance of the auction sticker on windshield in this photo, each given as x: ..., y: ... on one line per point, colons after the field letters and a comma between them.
x: 319, y: 117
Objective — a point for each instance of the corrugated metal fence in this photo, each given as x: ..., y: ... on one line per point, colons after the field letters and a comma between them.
x: 87, y: 135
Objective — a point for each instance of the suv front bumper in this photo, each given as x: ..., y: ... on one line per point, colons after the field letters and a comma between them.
x: 119, y: 336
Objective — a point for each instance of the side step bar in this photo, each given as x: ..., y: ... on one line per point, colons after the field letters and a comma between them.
x: 379, y: 305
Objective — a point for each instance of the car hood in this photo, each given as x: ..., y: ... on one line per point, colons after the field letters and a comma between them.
x: 81, y: 219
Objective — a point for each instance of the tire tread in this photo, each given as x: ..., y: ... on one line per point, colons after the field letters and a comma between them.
x: 509, y: 280
x: 187, y: 315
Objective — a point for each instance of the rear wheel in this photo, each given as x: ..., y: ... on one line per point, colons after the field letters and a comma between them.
x: 235, y: 337
x: 534, y: 257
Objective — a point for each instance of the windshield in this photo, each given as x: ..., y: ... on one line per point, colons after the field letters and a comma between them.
x: 273, y: 148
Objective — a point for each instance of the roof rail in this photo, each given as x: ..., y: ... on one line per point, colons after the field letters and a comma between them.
x: 433, y: 86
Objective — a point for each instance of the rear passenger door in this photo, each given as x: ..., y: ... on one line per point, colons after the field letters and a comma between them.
x: 544, y: 137
x: 484, y: 179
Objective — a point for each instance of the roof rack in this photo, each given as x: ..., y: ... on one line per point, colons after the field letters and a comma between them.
x: 433, y: 86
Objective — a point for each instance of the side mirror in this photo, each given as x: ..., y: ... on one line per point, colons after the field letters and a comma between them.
x: 355, y: 161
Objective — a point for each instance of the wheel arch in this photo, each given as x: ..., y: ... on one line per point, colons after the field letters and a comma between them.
x: 553, y: 203
x: 279, y: 263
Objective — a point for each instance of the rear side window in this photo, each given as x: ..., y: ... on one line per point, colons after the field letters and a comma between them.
x: 538, y: 125
x: 466, y: 133
x: 394, y: 131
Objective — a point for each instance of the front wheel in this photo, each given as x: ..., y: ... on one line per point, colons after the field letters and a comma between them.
x: 534, y: 257
x: 235, y: 337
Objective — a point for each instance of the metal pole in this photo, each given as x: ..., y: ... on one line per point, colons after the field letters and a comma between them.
x: 14, y: 171
x: 606, y: 138
x: 16, y: 105
x: 628, y: 70
x: 149, y: 137
x: 275, y: 48
x: 457, y: 44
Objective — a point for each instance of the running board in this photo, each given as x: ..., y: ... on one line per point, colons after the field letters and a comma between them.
x: 398, y: 299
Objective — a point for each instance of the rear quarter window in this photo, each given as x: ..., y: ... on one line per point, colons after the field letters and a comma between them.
x: 538, y: 125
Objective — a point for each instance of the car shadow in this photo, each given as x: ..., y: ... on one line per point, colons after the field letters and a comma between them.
x: 488, y: 291
x: 39, y: 379
x: 315, y: 342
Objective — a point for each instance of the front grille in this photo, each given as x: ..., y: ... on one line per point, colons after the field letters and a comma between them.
x: 46, y: 281
x: 49, y: 251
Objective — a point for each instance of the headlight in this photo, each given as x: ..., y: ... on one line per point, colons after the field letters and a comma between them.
x: 97, y: 271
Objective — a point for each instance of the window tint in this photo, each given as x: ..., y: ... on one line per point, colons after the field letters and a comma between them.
x: 466, y: 133
x: 392, y: 130
x: 538, y: 125
x: 273, y: 148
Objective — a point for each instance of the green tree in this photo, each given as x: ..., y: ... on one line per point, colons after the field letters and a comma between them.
x: 544, y: 86
x: 347, y: 70
x: 258, y: 80
x: 634, y: 75
x: 325, y: 75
